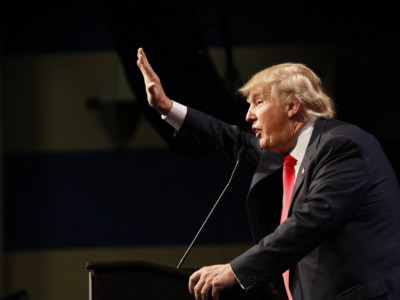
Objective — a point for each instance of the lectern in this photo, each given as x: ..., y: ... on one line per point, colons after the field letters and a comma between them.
x: 139, y: 280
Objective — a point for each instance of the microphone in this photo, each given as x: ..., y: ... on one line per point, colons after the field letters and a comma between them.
x: 240, y: 153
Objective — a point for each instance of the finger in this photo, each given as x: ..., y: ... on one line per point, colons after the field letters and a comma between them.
x: 144, y: 57
x: 198, y: 286
x: 148, y: 74
x: 193, y: 279
x: 201, y: 290
x: 144, y: 63
x: 205, y: 291
x: 139, y: 61
x: 216, y: 288
x: 197, y: 290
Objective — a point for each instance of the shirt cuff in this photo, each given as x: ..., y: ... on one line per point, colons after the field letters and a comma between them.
x: 241, y: 285
x: 176, y: 115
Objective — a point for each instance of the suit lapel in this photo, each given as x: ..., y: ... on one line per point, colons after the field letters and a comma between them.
x: 311, y: 148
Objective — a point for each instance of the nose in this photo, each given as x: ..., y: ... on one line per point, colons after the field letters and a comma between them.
x: 250, y: 116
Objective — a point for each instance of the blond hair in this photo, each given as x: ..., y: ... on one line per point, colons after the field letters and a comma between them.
x: 288, y: 80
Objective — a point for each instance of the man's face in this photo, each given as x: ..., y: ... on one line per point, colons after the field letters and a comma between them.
x: 270, y: 121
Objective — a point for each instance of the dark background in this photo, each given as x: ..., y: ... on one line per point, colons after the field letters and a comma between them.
x: 362, y: 38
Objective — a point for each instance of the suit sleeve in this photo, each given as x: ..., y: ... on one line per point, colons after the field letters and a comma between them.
x: 218, y: 137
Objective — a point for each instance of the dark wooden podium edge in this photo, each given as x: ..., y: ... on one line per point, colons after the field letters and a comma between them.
x: 137, y: 265
x: 235, y: 292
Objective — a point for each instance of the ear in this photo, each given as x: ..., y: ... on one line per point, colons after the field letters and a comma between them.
x: 293, y: 108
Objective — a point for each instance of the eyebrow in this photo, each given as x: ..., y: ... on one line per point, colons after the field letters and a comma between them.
x: 254, y: 96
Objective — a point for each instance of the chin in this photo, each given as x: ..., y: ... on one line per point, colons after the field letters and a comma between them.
x: 264, y: 146
x: 270, y: 149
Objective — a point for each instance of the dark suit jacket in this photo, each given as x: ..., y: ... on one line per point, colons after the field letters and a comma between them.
x: 342, y: 237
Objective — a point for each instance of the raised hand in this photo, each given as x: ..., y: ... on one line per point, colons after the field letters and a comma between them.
x: 154, y: 90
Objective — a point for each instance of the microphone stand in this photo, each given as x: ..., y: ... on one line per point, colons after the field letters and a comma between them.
x: 212, y: 210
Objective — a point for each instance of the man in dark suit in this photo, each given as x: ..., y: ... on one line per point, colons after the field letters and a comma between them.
x: 340, y: 238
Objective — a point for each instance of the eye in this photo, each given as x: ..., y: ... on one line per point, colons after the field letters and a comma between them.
x: 259, y: 101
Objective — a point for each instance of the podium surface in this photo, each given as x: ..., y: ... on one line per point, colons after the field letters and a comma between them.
x: 131, y: 280
x: 142, y: 280
x: 136, y: 280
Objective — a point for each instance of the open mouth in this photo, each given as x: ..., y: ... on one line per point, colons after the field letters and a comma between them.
x: 257, y: 131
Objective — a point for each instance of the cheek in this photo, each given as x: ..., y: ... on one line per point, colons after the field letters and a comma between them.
x: 264, y: 115
x: 268, y: 119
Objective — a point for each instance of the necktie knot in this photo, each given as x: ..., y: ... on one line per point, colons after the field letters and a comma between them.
x: 289, y: 161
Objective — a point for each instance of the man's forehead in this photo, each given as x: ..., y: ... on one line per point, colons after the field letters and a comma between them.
x: 256, y: 91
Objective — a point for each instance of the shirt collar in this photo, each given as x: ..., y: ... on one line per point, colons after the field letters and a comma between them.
x: 300, y: 145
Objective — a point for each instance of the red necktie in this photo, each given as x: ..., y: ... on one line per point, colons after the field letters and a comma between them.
x: 288, y: 181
